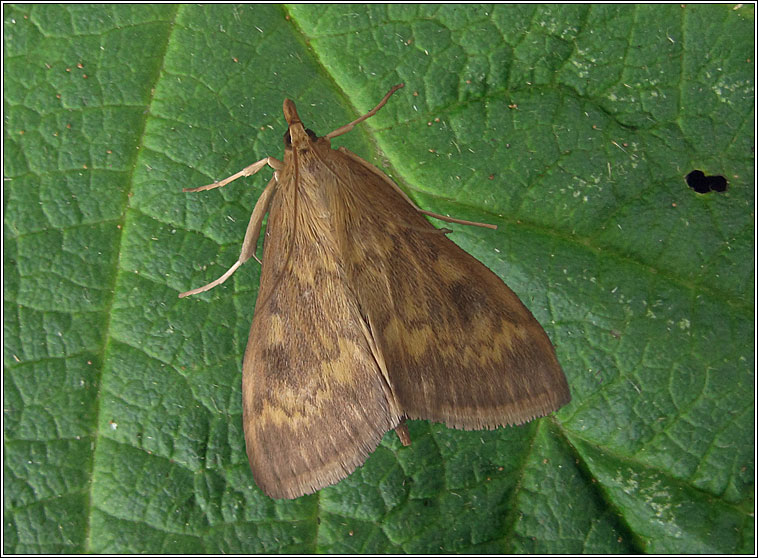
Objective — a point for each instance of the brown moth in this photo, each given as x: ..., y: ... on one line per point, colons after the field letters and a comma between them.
x: 367, y: 315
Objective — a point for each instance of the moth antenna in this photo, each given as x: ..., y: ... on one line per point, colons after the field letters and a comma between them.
x: 347, y: 127
x: 454, y: 220
x: 405, y: 196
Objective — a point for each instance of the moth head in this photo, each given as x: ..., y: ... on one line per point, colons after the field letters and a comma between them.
x: 297, y: 135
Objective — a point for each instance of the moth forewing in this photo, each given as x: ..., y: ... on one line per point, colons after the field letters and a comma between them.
x: 367, y: 315
x: 458, y: 344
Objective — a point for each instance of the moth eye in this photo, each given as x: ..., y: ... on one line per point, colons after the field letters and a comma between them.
x: 287, y: 139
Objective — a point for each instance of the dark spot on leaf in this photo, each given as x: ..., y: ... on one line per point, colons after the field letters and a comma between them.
x: 702, y: 184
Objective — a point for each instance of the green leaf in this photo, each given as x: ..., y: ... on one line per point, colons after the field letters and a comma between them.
x: 569, y: 127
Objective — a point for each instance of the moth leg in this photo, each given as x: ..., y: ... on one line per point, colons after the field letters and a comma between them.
x: 251, y: 238
x: 347, y: 127
x: 275, y: 164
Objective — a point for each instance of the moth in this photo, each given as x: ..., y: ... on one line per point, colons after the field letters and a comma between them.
x: 368, y: 315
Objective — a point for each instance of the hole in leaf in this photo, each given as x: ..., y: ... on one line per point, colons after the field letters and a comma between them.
x: 702, y: 184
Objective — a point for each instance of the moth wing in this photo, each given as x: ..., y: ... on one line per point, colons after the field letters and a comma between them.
x: 315, y: 403
x: 458, y: 344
